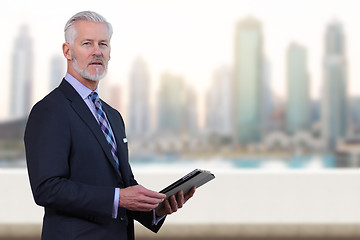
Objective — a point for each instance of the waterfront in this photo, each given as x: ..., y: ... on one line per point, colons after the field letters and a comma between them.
x: 253, y: 163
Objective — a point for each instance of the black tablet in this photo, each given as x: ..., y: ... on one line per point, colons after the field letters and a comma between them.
x: 195, y: 178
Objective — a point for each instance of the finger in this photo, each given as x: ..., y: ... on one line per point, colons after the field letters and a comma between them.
x: 154, y: 194
x: 141, y: 206
x: 147, y: 207
x: 189, y: 194
x: 151, y: 203
x: 150, y: 200
x: 180, y: 199
x: 149, y: 193
x: 173, y: 203
x: 166, y: 209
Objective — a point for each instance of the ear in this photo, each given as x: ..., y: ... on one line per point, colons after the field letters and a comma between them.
x: 66, y: 51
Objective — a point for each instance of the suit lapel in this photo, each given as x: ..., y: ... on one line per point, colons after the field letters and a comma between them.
x: 85, y: 114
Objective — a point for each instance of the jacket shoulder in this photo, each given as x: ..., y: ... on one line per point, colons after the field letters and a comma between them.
x: 53, y: 100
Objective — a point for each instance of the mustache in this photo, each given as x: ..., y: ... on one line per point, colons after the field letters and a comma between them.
x: 97, y: 60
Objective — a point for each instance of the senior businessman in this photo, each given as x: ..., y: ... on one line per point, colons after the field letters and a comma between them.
x: 77, y: 153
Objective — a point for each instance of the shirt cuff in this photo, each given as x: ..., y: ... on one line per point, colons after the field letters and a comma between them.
x: 156, y: 219
x: 116, y: 203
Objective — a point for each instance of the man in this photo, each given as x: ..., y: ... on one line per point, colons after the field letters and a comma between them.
x: 76, y: 150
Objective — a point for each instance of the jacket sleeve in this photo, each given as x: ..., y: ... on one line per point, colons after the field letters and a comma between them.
x: 146, y: 219
x: 48, y: 148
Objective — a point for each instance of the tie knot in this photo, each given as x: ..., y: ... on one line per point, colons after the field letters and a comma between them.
x: 94, y: 97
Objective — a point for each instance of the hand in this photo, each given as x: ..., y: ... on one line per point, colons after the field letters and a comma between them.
x: 172, y: 204
x: 138, y: 198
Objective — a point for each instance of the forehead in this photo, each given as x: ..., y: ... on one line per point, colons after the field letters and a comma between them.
x: 91, y: 30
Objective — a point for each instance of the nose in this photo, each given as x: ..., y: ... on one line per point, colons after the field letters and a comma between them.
x: 97, y: 50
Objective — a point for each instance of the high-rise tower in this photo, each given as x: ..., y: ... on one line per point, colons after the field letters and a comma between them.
x: 171, y: 104
x: 219, y: 102
x: 248, y: 82
x: 57, y: 70
x: 139, y: 104
x: 22, y: 74
x: 334, y: 105
x: 298, y: 99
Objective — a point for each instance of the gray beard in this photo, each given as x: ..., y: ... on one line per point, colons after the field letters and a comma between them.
x: 84, y: 72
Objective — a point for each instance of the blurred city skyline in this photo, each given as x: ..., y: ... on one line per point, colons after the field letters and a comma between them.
x: 192, y: 105
x: 186, y: 38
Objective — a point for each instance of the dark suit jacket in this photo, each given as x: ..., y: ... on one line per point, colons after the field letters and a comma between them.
x: 73, y: 173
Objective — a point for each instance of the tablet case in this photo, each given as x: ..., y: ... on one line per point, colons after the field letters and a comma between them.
x: 195, y: 178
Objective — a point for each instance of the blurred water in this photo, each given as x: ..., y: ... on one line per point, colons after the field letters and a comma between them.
x: 296, y: 162
x: 18, y: 163
x: 176, y: 162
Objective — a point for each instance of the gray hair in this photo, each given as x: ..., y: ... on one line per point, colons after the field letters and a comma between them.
x: 70, y: 31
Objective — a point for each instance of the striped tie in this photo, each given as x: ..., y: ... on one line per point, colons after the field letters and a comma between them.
x: 105, y: 126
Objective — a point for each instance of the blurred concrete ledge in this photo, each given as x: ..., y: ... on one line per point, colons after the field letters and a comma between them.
x: 252, y: 231
x: 20, y: 230
x: 221, y: 231
x: 235, y: 204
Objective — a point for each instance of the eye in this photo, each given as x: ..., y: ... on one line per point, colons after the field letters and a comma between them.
x: 86, y: 43
x: 103, y: 44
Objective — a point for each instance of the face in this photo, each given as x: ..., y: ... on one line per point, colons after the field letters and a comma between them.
x: 90, y: 52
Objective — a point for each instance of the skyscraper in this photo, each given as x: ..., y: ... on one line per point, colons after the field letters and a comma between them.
x: 248, y: 82
x: 57, y: 70
x: 271, y: 122
x: 171, y: 104
x: 191, y: 110
x: 219, y: 102
x: 115, y: 99
x: 298, y: 99
x: 22, y: 74
x: 139, y: 96
x: 334, y: 105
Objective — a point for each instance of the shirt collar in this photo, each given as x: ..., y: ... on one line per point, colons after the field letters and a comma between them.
x: 81, y: 89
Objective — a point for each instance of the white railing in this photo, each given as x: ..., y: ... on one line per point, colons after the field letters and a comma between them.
x: 236, y: 202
